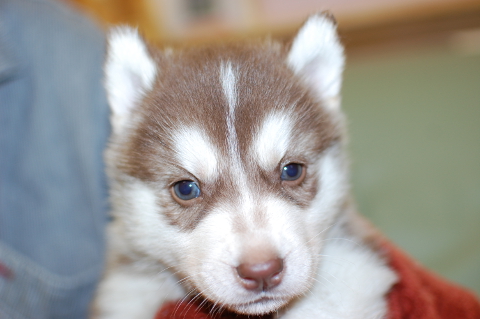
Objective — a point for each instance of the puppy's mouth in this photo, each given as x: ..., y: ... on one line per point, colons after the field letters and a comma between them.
x: 261, y: 306
x: 239, y: 311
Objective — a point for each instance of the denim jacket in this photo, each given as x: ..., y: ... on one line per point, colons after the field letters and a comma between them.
x: 53, y: 129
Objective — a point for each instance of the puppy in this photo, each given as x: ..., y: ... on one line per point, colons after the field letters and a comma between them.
x: 229, y: 182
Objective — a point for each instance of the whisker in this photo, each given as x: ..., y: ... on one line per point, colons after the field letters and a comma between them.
x: 321, y: 232
x: 346, y: 239
x: 341, y: 261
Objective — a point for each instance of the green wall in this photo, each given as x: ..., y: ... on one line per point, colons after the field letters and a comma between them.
x: 414, y: 124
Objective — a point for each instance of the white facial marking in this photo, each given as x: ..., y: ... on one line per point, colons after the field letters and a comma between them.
x: 227, y: 78
x: 273, y: 140
x: 196, y: 153
x: 228, y: 81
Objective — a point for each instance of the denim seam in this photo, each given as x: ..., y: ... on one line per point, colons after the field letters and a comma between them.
x: 20, y: 262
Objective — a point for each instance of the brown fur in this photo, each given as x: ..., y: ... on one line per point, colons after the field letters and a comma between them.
x: 188, y: 92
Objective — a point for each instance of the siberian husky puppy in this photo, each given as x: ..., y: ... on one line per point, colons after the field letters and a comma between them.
x: 229, y: 182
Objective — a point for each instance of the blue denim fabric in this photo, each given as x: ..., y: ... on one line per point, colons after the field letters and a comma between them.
x: 53, y: 129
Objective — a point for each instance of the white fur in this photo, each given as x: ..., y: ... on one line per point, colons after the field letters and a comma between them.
x: 272, y: 141
x: 196, y: 153
x: 228, y: 82
x: 351, y: 283
x: 147, y: 230
x: 332, y: 172
x: 317, y: 56
x: 129, y: 73
x: 120, y: 293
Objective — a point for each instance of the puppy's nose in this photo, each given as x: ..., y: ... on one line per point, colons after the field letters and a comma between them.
x: 261, y: 276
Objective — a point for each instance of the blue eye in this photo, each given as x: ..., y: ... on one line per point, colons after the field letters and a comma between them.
x: 186, y: 190
x: 291, y: 172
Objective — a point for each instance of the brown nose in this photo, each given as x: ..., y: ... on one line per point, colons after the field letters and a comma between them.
x: 261, y: 276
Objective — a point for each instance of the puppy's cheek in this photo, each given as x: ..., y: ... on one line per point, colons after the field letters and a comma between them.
x: 210, y: 253
x: 149, y: 230
x: 293, y: 238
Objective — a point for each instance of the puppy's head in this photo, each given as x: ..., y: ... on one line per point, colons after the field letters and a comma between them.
x: 226, y: 162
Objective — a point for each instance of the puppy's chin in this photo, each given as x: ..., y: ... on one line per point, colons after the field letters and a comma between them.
x: 261, y: 306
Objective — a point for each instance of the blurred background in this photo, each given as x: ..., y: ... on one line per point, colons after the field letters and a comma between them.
x: 411, y: 94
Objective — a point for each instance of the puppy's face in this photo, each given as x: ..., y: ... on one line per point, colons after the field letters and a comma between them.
x: 227, y: 162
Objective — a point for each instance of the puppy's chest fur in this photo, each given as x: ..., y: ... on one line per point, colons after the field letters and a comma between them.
x: 229, y: 182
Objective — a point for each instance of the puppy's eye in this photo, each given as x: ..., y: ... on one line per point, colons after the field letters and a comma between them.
x: 186, y: 190
x: 292, y: 172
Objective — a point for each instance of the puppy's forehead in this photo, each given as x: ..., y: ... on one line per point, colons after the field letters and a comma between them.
x: 226, y: 103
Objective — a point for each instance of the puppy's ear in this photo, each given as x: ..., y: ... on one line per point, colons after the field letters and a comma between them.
x: 129, y: 73
x: 317, y: 56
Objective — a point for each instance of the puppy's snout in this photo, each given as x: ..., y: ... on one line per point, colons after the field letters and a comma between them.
x: 261, y: 276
